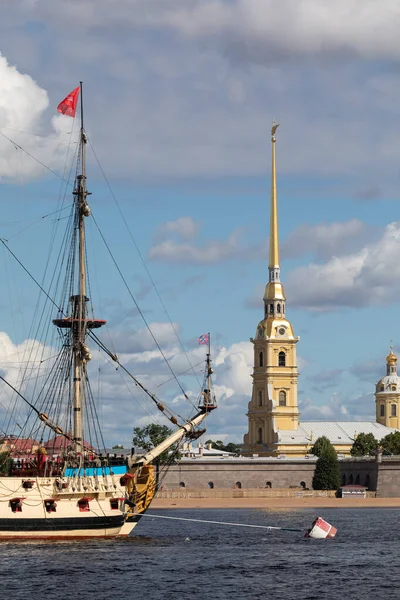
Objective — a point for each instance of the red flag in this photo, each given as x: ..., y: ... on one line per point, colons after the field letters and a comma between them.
x: 69, y: 104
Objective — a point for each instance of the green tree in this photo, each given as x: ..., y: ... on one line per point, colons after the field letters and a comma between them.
x: 5, y: 463
x: 151, y: 436
x: 365, y: 444
x: 391, y: 443
x: 327, y: 470
x: 229, y: 447
x: 321, y: 444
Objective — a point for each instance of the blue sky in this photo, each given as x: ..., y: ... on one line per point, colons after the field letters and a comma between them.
x: 179, y: 99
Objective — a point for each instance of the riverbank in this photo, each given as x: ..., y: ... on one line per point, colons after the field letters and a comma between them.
x: 276, y: 503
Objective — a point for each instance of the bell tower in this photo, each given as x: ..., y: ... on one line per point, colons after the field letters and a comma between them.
x: 387, y: 394
x: 273, y: 406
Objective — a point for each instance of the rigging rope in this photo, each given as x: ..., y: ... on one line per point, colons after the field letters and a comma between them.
x: 18, y: 147
x: 142, y: 260
x: 140, y: 312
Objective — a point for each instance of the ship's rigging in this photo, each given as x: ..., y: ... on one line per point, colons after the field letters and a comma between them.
x: 75, y: 321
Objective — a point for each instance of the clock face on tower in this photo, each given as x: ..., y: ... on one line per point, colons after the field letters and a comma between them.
x: 281, y: 331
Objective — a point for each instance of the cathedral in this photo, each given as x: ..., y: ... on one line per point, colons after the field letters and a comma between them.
x: 274, y: 424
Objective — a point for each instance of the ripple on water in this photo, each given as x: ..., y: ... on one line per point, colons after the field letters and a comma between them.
x: 216, y: 562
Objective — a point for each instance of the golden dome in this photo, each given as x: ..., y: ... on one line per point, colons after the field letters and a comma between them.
x: 274, y: 291
x: 391, y: 358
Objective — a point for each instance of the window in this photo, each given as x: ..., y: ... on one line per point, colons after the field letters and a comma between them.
x: 50, y: 505
x: 281, y: 359
x: 260, y: 436
x: 351, y: 480
x: 114, y: 503
x: 303, y: 484
x: 181, y: 484
x: 268, y: 485
x: 393, y: 388
x: 282, y: 398
x: 394, y: 411
x: 238, y: 485
x: 357, y: 482
x: 16, y: 504
x: 83, y: 504
x: 278, y: 308
x: 283, y: 308
x: 344, y: 480
x: 271, y: 309
x: 382, y: 410
x: 367, y: 480
x: 211, y: 485
x: 261, y: 359
x: 382, y: 388
x: 260, y: 398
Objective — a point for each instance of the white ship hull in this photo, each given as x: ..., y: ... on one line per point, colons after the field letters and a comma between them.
x: 78, y: 507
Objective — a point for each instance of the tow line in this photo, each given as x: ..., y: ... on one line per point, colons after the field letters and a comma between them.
x: 319, y: 529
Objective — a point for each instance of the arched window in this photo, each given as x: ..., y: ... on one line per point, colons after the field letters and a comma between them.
x: 271, y: 309
x: 261, y: 359
x: 303, y: 484
x: 268, y: 485
x: 211, y: 485
x: 238, y: 485
x: 382, y: 388
x: 260, y: 436
x: 344, y: 480
x: 260, y: 398
x: 181, y: 484
x: 351, y: 480
x: 282, y: 398
x: 394, y: 410
x: 382, y: 410
x: 281, y: 359
x: 278, y: 308
x: 283, y: 308
x: 357, y: 479
x: 367, y: 480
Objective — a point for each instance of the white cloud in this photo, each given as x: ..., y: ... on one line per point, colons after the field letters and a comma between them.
x: 368, y: 277
x: 325, y: 239
x: 195, y: 108
x: 184, y: 227
x: 210, y: 252
x: 22, y: 106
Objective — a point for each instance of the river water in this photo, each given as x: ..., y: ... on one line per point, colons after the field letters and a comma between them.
x: 168, y: 559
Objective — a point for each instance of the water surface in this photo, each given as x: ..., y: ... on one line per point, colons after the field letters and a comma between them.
x: 168, y: 559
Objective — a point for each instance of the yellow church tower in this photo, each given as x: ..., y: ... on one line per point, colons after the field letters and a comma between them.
x: 387, y: 395
x: 273, y: 406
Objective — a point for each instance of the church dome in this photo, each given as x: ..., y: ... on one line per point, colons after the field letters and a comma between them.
x: 391, y: 358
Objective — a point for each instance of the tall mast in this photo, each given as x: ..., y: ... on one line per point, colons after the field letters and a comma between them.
x: 79, y: 300
x: 78, y: 322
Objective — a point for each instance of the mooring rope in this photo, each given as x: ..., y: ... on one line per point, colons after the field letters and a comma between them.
x: 222, y: 523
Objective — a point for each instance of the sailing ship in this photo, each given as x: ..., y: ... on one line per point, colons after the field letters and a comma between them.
x: 66, y: 487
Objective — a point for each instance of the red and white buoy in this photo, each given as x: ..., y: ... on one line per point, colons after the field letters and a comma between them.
x: 321, y: 530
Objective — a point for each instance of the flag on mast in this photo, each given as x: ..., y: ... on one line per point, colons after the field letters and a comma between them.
x: 69, y: 104
x: 203, y: 339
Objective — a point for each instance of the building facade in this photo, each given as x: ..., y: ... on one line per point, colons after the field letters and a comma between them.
x: 274, y: 427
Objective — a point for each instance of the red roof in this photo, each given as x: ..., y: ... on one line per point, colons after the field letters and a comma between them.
x: 62, y: 443
x: 19, y: 445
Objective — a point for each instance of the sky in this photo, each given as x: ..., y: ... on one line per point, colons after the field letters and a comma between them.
x: 179, y: 98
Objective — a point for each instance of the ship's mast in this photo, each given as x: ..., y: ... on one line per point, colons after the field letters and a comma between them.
x: 79, y: 300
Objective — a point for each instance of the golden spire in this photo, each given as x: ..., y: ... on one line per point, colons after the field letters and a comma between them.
x: 273, y: 235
